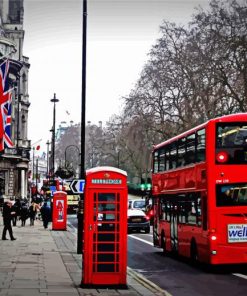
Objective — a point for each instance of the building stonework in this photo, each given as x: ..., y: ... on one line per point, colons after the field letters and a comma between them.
x: 14, y: 161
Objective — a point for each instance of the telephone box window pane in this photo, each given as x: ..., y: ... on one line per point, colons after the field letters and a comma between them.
x: 107, y: 227
x: 106, y: 217
x: 106, y: 207
x: 110, y: 217
x: 105, y: 258
x: 106, y: 247
x: 106, y: 197
x: 106, y: 237
x: 106, y: 267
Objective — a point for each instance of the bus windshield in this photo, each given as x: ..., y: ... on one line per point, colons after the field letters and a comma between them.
x: 231, y: 139
x: 231, y: 195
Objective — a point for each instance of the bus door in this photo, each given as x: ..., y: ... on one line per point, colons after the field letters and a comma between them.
x: 157, y: 213
x: 174, y: 227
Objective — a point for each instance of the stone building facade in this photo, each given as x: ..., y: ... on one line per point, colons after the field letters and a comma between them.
x: 14, y: 161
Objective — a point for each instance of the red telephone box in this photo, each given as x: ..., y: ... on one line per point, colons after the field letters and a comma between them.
x: 59, y: 211
x: 105, y: 228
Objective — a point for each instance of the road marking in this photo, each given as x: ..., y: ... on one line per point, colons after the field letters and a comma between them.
x: 142, y: 240
x: 151, y: 244
x: 147, y: 283
x: 240, y: 275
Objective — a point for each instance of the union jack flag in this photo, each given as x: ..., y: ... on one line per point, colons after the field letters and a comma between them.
x: 5, y: 108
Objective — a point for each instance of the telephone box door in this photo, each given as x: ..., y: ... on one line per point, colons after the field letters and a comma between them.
x: 106, y: 237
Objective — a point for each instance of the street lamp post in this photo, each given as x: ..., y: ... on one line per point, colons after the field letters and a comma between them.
x: 47, y: 165
x: 33, y: 162
x: 54, y: 100
x: 83, y: 121
x: 37, y: 171
x: 37, y: 148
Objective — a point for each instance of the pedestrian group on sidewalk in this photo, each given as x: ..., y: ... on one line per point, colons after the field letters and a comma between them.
x: 20, y: 210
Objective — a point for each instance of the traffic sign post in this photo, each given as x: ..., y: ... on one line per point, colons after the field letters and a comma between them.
x: 77, y: 186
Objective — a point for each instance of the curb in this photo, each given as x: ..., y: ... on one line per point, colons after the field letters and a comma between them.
x: 146, y: 283
x: 143, y: 281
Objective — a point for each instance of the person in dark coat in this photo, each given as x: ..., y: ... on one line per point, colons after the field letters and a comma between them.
x: 46, y: 214
x: 7, y: 217
x: 23, y: 214
x: 16, y: 208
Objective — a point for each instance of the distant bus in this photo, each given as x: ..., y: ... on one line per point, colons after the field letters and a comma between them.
x: 51, y: 185
x: 199, y: 189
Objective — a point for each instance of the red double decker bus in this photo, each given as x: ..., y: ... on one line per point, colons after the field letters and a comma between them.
x: 199, y: 189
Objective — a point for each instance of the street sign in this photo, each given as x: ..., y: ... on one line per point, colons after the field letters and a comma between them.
x: 52, y: 189
x: 77, y: 186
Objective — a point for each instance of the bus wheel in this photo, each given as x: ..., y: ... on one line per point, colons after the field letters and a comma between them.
x: 163, y: 243
x: 193, y: 252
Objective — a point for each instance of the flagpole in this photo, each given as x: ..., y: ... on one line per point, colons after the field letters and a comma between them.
x: 18, y: 112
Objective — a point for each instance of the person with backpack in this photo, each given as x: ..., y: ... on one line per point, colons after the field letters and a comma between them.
x: 23, y: 214
x: 46, y: 214
x: 32, y: 212
x: 16, y: 208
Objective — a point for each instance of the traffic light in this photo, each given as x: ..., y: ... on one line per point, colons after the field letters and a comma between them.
x: 148, y: 184
x: 142, y: 187
x: 142, y: 184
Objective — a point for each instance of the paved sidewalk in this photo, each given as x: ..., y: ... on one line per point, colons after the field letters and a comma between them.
x: 45, y: 262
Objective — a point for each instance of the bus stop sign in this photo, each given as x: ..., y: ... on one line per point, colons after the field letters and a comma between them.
x: 77, y: 186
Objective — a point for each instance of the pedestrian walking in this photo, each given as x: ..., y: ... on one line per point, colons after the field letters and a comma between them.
x: 7, y: 217
x: 32, y: 212
x: 1, y: 200
x: 23, y: 213
x: 16, y: 208
x: 46, y: 214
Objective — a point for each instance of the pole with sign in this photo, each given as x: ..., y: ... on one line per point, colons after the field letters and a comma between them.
x: 77, y: 186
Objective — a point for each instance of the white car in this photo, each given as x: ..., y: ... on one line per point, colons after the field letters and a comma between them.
x: 137, y: 221
x: 137, y: 204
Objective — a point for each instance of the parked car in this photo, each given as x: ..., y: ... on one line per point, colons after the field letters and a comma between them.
x: 137, y: 221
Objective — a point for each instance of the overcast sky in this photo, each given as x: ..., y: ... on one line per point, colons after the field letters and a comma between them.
x: 120, y: 34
